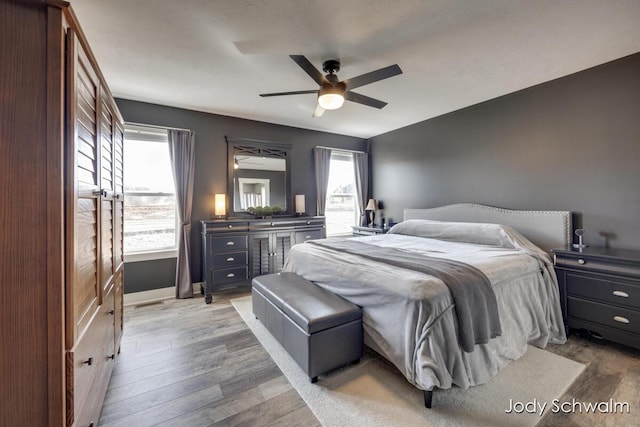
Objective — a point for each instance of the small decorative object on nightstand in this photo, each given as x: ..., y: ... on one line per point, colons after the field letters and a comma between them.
x: 368, y: 231
x: 580, y: 232
x: 600, y: 291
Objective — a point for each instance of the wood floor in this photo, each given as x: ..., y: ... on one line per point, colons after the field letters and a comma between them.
x: 185, y: 363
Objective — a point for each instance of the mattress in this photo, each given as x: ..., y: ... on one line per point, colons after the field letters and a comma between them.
x: 409, y: 317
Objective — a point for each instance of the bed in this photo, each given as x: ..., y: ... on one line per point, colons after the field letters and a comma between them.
x: 409, y: 317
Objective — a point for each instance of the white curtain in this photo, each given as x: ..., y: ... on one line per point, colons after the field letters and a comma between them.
x: 322, y: 160
x: 182, y: 154
x: 361, y: 169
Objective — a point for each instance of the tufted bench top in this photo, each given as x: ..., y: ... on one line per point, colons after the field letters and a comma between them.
x: 311, y: 307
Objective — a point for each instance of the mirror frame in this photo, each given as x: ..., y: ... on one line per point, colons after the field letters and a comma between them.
x: 262, y: 148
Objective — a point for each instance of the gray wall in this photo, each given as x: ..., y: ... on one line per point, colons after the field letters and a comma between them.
x: 569, y: 144
x: 146, y: 275
x: 211, y: 167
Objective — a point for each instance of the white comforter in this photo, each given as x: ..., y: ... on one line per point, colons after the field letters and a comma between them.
x: 409, y: 317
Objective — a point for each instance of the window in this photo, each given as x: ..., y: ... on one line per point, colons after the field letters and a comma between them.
x: 150, y: 218
x: 341, y: 210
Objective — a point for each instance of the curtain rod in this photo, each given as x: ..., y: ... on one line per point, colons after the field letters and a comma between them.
x: 155, y: 126
x: 341, y: 149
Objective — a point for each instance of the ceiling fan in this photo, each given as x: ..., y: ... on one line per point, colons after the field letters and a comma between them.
x: 333, y: 92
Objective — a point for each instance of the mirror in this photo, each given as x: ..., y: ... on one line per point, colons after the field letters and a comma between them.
x: 258, y: 175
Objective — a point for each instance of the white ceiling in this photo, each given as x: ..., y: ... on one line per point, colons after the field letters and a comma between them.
x: 217, y: 56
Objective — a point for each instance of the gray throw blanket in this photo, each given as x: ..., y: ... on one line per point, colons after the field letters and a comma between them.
x: 475, y: 302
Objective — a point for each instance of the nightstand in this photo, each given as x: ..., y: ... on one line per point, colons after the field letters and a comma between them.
x: 368, y: 231
x: 600, y: 291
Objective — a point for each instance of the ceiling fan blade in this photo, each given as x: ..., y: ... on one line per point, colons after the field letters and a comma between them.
x: 308, y: 67
x: 318, y: 112
x: 373, y: 76
x: 365, y: 100
x: 298, y: 92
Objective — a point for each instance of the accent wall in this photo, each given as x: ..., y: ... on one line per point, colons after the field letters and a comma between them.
x: 568, y: 144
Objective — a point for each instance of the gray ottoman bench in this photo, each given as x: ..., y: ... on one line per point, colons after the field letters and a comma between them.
x: 320, y: 330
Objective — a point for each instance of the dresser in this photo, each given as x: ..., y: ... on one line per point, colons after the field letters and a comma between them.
x: 600, y: 289
x: 61, y: 226
x: 236, y: 250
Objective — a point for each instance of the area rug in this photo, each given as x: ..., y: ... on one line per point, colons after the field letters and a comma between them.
x: 374, y: 393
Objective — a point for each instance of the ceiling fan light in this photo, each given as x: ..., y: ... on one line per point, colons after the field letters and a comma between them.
x: 331, y: 97
x: 331, y: 101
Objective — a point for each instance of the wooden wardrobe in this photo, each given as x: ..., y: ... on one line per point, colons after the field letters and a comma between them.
x: 61, y: 220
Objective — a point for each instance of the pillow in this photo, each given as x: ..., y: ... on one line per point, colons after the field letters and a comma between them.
x: 470, y: 232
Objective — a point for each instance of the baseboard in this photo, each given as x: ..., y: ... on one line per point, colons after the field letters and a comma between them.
x: 154, y: 295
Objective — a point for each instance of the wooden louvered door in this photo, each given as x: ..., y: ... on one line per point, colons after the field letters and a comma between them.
x: 260, y: 254
x: 268, y: 251
x: 118, y: 188
x: 94, y: 236
x: 106, y: 196
x: 281, y: 243
x: 118, y: 227
x: 83, y: 235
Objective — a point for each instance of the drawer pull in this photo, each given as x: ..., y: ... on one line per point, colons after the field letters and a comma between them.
x: 231, y: 275
x: 581, y: 261
x: 308, y: 222
x: 229, y: 226
x: 621, y: 294
x: 111, y: 312
x: 89, y: 361
x: 307, y: 237
x: 620, y: 319
x: 231, y: 259
x: 230, y: 243
x: 112, y: 357
x: 273, y: 224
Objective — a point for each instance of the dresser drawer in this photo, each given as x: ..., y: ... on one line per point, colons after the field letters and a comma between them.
x: 224, y: 226
x: 303, y: 236
x: 609, y: 315
x: 310, y: 222
x: 228, y: 244
x: 614, y: 290
x: 229, y: 259
x: 229, y: 275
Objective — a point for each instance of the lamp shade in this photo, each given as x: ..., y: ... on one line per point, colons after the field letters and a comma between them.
x: 372, y: 205
x: 331, y: 97
x: 220, y: 204
x: 300, y: 204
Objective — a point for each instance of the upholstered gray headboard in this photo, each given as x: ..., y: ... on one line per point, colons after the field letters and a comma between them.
x: 546, y: 229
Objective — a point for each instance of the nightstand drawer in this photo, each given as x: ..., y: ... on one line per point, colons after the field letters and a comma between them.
x: 603, y: 288
x: 587, y: 262
x: 229, y: 259
x: 615, y: 317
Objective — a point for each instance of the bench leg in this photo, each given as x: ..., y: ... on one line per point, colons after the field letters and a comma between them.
x: 313, y: 380
x: 428, y: 398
